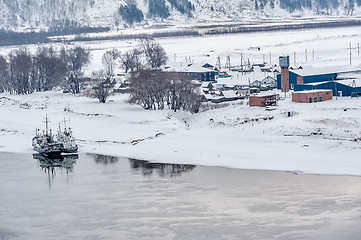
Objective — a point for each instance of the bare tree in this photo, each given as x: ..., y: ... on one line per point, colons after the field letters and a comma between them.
x: 102, y: 87
x: 19, y: 71
x: 131, y: 60
x: 144, y: 89
x: 110, y: 61
x: 152, y: 89
x: 49, y: 69
x: 76, y: 59
x: 154, y: 53
x: 4, y: 74
x: 24, y: 72
x: 182, y: 93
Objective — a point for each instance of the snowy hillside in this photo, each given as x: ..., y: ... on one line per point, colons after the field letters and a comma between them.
x: 119, y: 14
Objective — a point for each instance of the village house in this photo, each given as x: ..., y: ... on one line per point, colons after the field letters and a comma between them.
x: 196, y: 71
x: 265, y: 84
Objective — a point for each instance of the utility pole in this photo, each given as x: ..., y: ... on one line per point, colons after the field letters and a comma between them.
x: 242, y: 63
x: 270, y: 58
x: 294, y: 59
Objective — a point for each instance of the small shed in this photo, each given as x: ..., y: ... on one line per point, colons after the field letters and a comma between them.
x: 207, y: 85
x: 311, y: 96
x: 263, y: 100
x: 243, y: 92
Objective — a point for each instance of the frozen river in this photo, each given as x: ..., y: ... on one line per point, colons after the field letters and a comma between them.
x: 102, y: 197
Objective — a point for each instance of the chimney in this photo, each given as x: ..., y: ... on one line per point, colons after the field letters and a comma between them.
x: 285, y: 75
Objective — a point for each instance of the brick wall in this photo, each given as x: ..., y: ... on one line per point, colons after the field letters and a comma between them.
x: 285, y: 80
x: 312, y: 96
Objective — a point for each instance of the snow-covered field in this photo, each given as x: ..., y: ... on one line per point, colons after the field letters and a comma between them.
x: 321, y: 138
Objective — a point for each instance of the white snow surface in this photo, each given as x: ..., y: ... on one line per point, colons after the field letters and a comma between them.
x: 318, y: 138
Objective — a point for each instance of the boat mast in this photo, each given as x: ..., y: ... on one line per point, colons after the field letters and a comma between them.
x: 46, y: 124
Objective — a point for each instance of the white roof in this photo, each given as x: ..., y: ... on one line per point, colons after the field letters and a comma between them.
x: 341, y: 76
x: 205, y: 84
x: 239, y: 79
x: 186, y: 67
x: 311, y: 71
x: 264, y: 94
x: 350, y: 82
x: 313, y: 91
x: 229, y: 94
x: 210, y: 96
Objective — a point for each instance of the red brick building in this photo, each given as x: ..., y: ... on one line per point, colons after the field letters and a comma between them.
x: 311, y: 96
x: 263, y: 100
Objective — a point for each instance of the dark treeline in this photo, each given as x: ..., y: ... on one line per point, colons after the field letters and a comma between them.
x: 16, y: 38
x: 324, y: 6
x: 225, y: 29
x: 20, y: 38
x: 22, y: 72
x: 131, y: 14
x: 66, y: 27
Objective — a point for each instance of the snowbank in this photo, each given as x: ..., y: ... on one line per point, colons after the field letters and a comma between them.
x: 320, y: 138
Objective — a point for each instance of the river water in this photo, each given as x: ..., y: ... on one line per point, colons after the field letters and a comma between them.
x: 102, y: 197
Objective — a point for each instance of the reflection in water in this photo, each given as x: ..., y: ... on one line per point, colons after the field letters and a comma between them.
x: 116, y: 201
x: 104, y: 159
x: 49, y: 165
x: 162, y: 169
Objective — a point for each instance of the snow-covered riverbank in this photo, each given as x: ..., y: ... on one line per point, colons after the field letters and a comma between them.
x: 321, y: 138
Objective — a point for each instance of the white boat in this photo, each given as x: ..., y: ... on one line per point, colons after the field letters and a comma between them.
x: 53, y: 146
x: 65, y: 137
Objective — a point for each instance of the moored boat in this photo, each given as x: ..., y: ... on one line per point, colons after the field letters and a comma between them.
x: 67, y: 140
x: 53, y: 146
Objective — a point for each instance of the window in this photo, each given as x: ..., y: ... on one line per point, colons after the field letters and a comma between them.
x: 292, y: 86
x: 310, y: 100
x: 320, y: 99
x: 315, y: 99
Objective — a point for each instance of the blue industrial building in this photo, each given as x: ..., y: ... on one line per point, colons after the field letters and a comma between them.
x: 342, y: 80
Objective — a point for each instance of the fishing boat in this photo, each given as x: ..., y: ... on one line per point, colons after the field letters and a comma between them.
x: 44, y: 142
x: 65, y: 137
x: 50, y: 145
